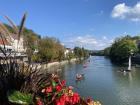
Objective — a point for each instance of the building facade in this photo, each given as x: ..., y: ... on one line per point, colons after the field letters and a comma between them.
x: 13, y: 45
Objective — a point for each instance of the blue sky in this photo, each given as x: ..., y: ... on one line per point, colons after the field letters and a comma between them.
x: 93, y: 24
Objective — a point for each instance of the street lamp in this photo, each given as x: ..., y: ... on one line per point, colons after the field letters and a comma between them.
x: 129, y: 63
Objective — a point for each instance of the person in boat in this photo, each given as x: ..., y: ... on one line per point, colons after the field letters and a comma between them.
x: 85, y: 65
x: 79, y: 76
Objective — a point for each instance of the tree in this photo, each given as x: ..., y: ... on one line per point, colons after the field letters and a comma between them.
x: 60, y: 51
x: 30, y: 42
x: 81, y: 52
x: 107, y: 51
x: 70, y: 56
x: 120, y: 49
x: 77, y: 52
x: 50, y: 49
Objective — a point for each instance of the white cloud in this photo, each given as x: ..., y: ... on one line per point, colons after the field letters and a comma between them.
x: 89, y: 42
x: 122, y: 11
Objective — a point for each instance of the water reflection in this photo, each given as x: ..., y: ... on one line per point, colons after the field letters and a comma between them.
x: 130, y: 77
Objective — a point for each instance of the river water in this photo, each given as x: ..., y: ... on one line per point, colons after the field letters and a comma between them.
x: 103, y: 81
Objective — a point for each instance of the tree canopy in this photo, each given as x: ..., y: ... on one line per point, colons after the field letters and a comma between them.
x: 81, y: 52
x: 50, y: 49
x: 121, y: 49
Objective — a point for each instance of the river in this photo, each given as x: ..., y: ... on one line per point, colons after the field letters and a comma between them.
x: 104, y: 82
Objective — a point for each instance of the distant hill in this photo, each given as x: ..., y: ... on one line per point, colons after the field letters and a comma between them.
x: 26, y: 32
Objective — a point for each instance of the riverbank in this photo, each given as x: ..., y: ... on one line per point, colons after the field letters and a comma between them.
x: 60, y: 63
x: 56, y: 65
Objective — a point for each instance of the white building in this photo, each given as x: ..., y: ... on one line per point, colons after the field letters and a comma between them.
x: 13, y: 45
x: 18, y: 45
x: 67, y: 51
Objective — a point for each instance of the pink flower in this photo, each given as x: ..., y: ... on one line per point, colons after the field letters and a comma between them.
x: 70, y: 87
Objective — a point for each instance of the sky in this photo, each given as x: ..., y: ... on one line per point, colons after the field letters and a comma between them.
x: 93, y: 24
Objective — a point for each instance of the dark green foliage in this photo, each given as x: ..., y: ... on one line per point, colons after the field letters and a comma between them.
x: 50, y: 50
x: 97, y: 53
x: 81, y: 52
x: 107, y: 51
x: 9, y: 28
x: 120, y: 49
x: 70, y: 56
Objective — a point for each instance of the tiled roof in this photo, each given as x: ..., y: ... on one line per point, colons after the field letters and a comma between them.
x: 4, y: 42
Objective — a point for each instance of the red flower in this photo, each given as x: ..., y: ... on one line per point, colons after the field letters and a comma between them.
x: 58, y: 88
x: 57, y: 102
x: 60, y: 101
x: 72, y: 100
x: 76, y: 98
x: 63, y: 83
x: 67, y: 98
x: 63, y: 97
x: 39, y: 102
x: 89, y: 100
x: 48, y: 89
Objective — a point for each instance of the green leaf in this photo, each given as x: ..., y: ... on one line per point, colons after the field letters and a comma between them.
x: 53, y: 83
x: 59, y: 94
x: 20, y: 98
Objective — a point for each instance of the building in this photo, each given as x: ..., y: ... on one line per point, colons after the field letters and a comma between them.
x: 13, y: 45
x: 17, y: 44
x: 6, y: 44
x: 68, y: 51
